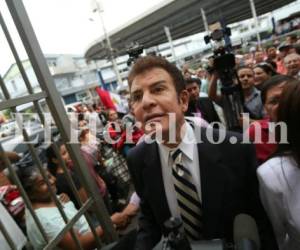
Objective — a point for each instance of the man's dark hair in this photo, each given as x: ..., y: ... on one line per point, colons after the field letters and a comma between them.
x: 243, y: 67
x: 270, y: 46
x: 297, y: 48
x: 80, y: 117
x: 146, y: 63
x: 50, y: 154
x: 272, y: 63
x: 192, y: 80
x: 271, y: 83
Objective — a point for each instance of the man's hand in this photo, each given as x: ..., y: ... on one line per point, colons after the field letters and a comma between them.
x: 120, y: 219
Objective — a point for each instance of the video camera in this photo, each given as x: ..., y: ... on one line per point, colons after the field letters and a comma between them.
x: 134, y: 51
x: 224, y: 65
x: 223, y: 59
x: 245, y: 234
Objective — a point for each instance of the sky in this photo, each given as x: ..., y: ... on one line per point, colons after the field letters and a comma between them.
x: 68, y: 26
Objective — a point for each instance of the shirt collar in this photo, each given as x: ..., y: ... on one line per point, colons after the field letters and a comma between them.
x: 254, y: 94
x: 186, y: 146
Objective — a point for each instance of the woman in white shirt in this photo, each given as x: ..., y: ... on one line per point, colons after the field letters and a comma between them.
x: 50, y: 217
x: 279, y: 177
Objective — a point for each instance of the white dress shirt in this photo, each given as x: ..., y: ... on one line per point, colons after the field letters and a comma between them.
x: 190, y: 160
x: 279, y: 180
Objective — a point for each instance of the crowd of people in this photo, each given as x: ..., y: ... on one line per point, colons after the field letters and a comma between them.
x: 205, y: 184
x: 269, y: 80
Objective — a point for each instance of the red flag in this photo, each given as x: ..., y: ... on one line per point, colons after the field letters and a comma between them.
x: 105, y: 98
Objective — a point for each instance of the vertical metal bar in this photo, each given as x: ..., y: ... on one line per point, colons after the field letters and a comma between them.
x: 7, y: 236
x: 15, y: 177
x: 99, y: 9
x: 4, y: 89
x: 20, y: 65
x: 24, y: 195
x: 54, y: 102
x: 45, y: 177
x: 40, y: 167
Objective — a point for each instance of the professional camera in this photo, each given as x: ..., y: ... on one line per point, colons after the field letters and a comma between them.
x: 223, y: 59
x: 176, y: 239
x: 134, y: 51
x: 224, y: 65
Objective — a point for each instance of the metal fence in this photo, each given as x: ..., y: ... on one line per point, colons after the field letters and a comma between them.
x: 51, y: 96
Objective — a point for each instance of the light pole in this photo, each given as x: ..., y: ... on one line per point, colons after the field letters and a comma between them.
x: 253, y: 10
x: 97, y: 8
x: 168, y: 34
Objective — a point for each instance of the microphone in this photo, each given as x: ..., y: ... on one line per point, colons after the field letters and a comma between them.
x: 175, y: 239
x: 245, y: 233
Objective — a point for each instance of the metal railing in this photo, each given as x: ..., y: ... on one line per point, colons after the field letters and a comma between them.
x: 54, y: 102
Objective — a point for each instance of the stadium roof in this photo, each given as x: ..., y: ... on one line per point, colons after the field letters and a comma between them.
x: 183, y: 17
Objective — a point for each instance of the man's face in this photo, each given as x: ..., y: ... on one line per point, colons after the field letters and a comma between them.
x: 259, y: 56
x: 272, y: 52
x: 272, y: 100
x: 154, y: 96
x: 292, y: 64
x: 249, y: 63
x: 201, y: 73
x: 246, y: 77
x: 194, y: 90
x: 187, y: 75
x: 112, y: 115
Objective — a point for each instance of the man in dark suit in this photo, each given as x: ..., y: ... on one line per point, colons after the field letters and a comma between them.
x: 203, y: 183
x: 199, y: 106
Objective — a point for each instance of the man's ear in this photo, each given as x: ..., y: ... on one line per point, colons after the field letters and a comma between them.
x: 184, y: 100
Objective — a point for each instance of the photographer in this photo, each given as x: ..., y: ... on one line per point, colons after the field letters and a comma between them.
x: 199, y: 106
x: 252, y: 101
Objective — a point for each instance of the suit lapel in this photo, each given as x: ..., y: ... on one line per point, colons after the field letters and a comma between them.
x: 212, y: 185
x: 213, y: 177
x: 154, y: 187
x: 204, y: 109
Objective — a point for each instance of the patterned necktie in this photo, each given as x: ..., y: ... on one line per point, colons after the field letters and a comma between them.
x: 187, y: 197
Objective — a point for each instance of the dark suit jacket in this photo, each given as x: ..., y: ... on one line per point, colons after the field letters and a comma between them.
x: 205, y: 105
x: 228, y: 184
